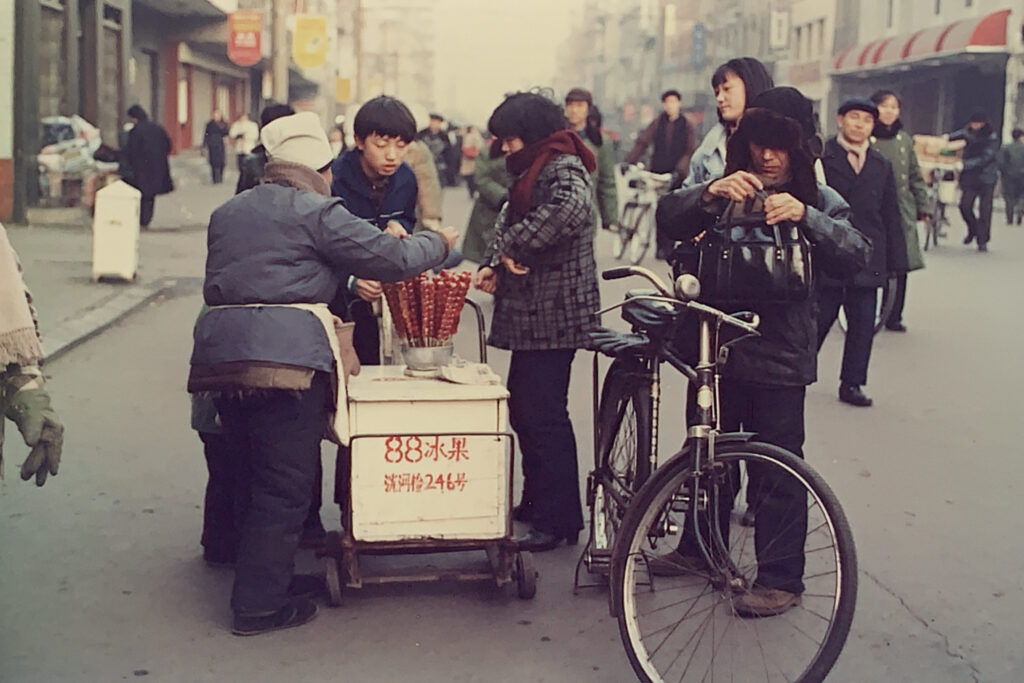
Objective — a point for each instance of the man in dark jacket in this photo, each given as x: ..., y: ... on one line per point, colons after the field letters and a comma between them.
x: 671, y: 135
x: 865, y: 180
x: 978, y: 177
x: 440, y: 145
x: 770, y: 169
x: 146, y: 155
x: 276, y: 256
x: 1011, y: 174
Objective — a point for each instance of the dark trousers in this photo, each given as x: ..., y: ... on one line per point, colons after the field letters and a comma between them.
x: 1013, y: 197
x: 776, y: 414
x: 899, y: 299
x: 146, y: 210
x: 979, y: 225
x: 859, y: 305
x: 217, y: 173
x: 239, y: 158
x: 538, y: 386
x: 281, y: 432
x: 225, y: 501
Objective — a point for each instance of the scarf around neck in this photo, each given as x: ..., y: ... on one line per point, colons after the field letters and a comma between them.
x: 855, y: 154
x: 19, y: 339
x: 300, y: 177
x: 527, y: 163
x: 884, y: 132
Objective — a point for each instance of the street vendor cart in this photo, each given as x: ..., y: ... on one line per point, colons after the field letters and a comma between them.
x: 430, y: 472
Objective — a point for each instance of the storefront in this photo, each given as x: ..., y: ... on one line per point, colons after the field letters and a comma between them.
x: 941, y: 73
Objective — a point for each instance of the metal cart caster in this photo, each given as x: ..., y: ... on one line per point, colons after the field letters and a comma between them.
x: 526, y: 575
x: 332, y: 568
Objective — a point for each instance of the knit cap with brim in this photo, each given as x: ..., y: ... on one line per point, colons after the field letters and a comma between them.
x: 859, y: 104
x: 299, y: 139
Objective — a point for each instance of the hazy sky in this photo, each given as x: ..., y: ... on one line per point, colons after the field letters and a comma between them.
x: 486, y: 48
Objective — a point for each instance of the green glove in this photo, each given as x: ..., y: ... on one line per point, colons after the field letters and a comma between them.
x: 43, y: 433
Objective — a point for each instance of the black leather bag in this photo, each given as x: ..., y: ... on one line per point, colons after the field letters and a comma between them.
x: 744, y: 260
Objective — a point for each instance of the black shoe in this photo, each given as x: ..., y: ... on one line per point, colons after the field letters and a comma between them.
x: 969, y: 238
x: 523, y: 512
x: 306, y: 586
x: 542, y: 541
x: 982, y: 246
x: 298, y: 611
x: 896, y: 327
x: 851, y: 393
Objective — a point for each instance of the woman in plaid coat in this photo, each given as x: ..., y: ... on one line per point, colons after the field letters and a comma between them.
x: 540, y: 267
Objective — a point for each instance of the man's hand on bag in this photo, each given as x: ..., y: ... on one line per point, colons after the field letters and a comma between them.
x: 42, y: 430
x: 783, y: 207
x: 368, y: 290
x: 486, y: 280
x: 737, y: 186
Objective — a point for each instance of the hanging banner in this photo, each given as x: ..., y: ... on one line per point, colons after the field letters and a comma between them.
x: 309, y: 42
x: 245, y: 34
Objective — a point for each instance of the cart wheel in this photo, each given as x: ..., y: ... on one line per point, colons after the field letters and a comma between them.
x: 526, y: 575
x: 332, y: 577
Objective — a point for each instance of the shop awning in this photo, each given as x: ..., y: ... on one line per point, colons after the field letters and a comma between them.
x: 987, y: 34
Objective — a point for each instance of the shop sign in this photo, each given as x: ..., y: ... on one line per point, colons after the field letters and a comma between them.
x: 245, y: 32
x: 309, y: 42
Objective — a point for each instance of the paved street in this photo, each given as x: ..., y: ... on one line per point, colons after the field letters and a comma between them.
x: 101, y: 578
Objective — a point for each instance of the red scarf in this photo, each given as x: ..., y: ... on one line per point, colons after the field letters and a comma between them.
x: 526, y: 165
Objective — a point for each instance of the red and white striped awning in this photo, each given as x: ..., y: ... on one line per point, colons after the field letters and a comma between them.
x: 987, y: 34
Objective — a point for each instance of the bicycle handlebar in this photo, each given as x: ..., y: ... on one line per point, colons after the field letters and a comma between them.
x: 627, y: 271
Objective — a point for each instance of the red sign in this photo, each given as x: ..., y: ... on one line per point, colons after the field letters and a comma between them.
x: 245, y: 31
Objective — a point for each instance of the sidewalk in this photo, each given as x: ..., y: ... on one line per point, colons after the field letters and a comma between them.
x: 56, y: 252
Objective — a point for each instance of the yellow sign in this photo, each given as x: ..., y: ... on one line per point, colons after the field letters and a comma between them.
x: 309, y: 42
x: 343, y: 90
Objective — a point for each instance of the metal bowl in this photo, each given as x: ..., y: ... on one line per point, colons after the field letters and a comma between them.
x: 427, y: 357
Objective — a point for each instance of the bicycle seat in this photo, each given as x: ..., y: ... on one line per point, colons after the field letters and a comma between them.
x: 612, y: 343
x: 648, y: 315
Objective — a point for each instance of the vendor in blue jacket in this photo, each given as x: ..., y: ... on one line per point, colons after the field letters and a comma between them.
x: 266, y: 351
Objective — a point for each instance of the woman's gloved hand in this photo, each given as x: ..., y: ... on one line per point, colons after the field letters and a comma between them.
x: 349, y: 360
x: 30, y: 409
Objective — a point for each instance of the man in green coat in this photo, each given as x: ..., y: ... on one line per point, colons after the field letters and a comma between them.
x: 492, y: 181
x: 893, y: 143
x: 1011, y: 174
x: 578, y: 106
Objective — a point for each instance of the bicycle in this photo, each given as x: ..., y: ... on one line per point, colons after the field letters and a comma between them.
x: 942, y: 184
x: 636, y: 229
x: 686, y: 627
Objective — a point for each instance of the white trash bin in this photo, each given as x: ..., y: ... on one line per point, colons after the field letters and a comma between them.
x: 115, y: 232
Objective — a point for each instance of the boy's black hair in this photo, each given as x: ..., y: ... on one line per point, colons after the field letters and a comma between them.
x: 274, y: 111
x: 137, y: 112
x: 385, y: 116
x: 671, y: 93
x: 529, y: 116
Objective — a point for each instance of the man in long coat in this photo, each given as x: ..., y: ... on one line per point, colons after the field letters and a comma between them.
x: 146, y: 157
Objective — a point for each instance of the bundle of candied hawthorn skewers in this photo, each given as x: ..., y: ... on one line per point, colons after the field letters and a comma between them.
x: 425, y: 309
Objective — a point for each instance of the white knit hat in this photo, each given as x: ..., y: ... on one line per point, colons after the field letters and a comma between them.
x: 298, y: 138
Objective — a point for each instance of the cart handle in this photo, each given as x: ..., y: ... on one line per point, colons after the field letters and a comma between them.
x: 481, y: 334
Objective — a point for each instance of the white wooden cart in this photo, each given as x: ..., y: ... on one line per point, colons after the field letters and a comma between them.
x: 431, y: 472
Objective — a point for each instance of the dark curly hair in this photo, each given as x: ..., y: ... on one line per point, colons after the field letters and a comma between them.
x: 530, y: 116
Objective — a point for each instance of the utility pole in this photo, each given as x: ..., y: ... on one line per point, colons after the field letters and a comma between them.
x: 280, y: 52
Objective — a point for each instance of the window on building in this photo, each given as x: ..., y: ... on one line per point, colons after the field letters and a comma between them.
x: 799, y: 41
x: 938, y: 6
x: 821, y: 37
x: 889, y: 13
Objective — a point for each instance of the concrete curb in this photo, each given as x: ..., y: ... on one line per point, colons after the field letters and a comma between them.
x: 69, y: 334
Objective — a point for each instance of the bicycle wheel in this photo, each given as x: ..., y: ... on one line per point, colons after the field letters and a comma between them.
x: 622, y: 457
x: 685, y: 627
x: 641, y: 239
x: 627, y: 228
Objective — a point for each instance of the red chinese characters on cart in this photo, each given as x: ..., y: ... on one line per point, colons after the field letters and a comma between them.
x: 423, y: 451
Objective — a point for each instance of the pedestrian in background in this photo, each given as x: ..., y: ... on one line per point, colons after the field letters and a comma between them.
x: 213, y: 145
x: 437, y: 141
x: 250, y: 168
x: 492, y: 181
x: 892, y: 142
x: 540, y: 268
x: 245, y: 135
x: 865, y: 180
x: 978, y: 177
x: 146, y: 155
x: 472, y: 144
x: 1011, y: 176
x: 578, y: 105
x: 429, y: 197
